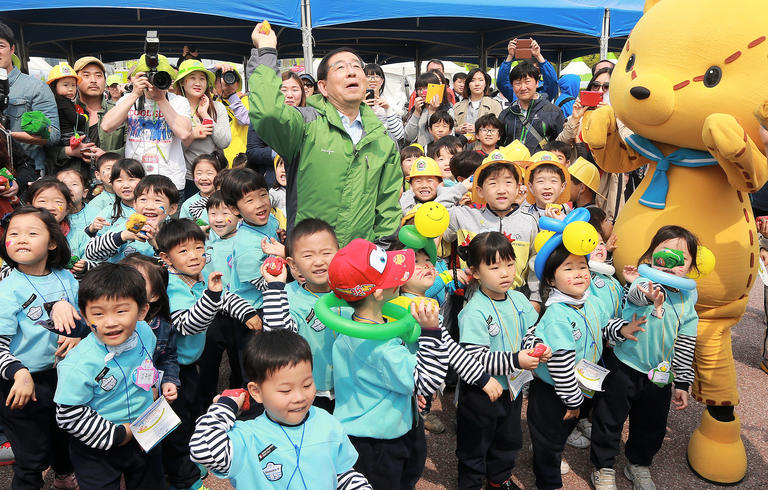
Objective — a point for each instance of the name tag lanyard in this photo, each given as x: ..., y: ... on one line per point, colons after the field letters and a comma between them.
x: 40, y: 295
x: 591, y: 333
x: 514, y: 346
x: 298, y: 454
x: 113, y: 357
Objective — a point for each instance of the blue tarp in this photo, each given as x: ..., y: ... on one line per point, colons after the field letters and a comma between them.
x: 388, y: 30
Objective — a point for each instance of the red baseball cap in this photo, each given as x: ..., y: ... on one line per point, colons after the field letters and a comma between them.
x: 361, y: 267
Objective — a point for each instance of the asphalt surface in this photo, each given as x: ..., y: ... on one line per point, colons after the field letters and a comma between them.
x: 670, y: 469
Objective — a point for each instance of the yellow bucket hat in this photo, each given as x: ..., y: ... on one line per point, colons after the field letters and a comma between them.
x: 189, y: 66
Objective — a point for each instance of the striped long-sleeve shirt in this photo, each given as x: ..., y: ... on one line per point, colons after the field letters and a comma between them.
x: 88, y: 426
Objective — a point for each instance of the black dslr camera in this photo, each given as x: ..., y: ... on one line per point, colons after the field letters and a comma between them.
x: 159, y: 79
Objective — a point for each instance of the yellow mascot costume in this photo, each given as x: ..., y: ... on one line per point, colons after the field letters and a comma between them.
x: 687, y: 82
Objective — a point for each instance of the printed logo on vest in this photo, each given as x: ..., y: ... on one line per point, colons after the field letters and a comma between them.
x: 493, y: 327
x: 35, y: 312
x: 576, y: 331
x: 599, y: 283
x: 273, y: 471
x: 314, y: 322
x: 107, y: 384
x: 129, y: 250
x: 266, y: 451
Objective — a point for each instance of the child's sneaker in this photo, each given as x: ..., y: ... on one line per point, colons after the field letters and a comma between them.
x: 585, y: 426
x: 577, y: 439
x: 564, y: 467
x: 433, y: 424
x: 65, y: 482
x: 640, y: 476
x: 604, y: 479
x: 6, y: 454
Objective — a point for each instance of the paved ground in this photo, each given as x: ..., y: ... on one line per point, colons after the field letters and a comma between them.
x: 670, y: 469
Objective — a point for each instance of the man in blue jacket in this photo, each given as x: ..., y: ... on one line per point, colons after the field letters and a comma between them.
x: 548, y: 88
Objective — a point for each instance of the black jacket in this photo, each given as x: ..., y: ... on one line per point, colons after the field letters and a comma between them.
x: 546, y: 118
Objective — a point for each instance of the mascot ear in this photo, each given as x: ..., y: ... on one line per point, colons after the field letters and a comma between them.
x: 649, y: 4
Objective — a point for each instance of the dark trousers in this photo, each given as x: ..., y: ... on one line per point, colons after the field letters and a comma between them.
x: 101, y: 470
x: 488, y: 436
x: 36, y: 440
x: 628, y: 393
x: 325, y: 403
x: 548, y: 433
x: 224, y: 334
x: 181, y: 471
x: 391, y: 464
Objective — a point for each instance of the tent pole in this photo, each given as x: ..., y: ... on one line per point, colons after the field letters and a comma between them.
x: 24, y: 50
x: 417, y: 62
x: 483, y: 61
x: 245, y: 84
x: 559, y: 61
x: 306, y: 36
x: 605, y: 35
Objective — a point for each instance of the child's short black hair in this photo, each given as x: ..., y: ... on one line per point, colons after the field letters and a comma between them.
x: 112, y: 281
x: 220, y: 177
x: 308, y: 226
x: 159, y: 184
x: 497, y: 168
x: 132, y: 167
x: 547, y: 167
x: 490, y: 120
x: 240, y: 160
x: 240, y: 181
x: 268, y: 352
x: 158, y: 283
x: 215, y: 200
x: 464, y: 163
x: 667, y: 233
x: 596, y: 218
x: 485, y: 248
x: 7, y: 34
x: 411, y: 151
x: 58, y: 257
x: 44, y: 183
x: 441, y: 116
x: 560, y: 147
x: 109, y: 156
x: 524, y: 69
x: 448, y: 142
x: 81, y: 175
x: 177, y: 231
x: 206, y: 157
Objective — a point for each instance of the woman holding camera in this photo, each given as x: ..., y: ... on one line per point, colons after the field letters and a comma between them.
x: 376, y: 101
x: 210, y: 123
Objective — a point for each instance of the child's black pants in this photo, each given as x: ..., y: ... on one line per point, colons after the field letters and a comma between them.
x: 97, y: 469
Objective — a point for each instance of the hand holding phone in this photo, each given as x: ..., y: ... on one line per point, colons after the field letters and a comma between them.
x: 590, y: 99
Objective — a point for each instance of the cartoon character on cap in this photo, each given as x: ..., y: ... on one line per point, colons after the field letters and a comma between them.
x: 547, y: 180
x: 425, y: 178
x: 694, y: 126
x: 361, y: 268
x: 585, y: 182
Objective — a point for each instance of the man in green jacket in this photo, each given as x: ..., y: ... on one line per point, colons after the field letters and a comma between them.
x: 91, y: 92
x: 341, y: 165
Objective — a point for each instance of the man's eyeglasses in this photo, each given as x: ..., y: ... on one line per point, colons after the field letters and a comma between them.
x: 488, y: 131
x: 345, y: 65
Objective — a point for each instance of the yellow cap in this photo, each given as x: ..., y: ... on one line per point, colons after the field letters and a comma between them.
x: 547, y: 158
x: 62, y: 70
x: 496, y: 156
x: 586, y: 172
x: 425, y: 167
x: 516, y: 152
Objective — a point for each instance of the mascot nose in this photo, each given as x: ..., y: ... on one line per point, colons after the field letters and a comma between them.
x: 640, y: 93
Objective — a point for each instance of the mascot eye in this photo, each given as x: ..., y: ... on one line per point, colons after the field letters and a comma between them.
x: 630, y: 63
x: 378, y: 260
x: 712, y: 76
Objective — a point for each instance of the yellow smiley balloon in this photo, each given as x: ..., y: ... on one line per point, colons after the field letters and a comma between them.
x: 541, y: 239
x: 705, y: 263
x: 580, y: 238
x: 431, y: 219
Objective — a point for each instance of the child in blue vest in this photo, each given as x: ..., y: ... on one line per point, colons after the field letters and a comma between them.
x: 204, y: 171
x: 640, y: 384
x: 194, y: 304
x: 106, y: 383
x: 124, y: 176
x: 225, y: 333
x: 36, y: 249
x: 80, y: 217
x: 312, y: 245
x: 247, y: 195
x: 156, y: 198
x: 494, y: 326
x: 376, y: 381
x: 293, y: 444
x: 102, y: 203
x: 574, y: 325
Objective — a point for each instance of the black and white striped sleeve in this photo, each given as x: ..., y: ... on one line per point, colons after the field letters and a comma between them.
x: 612, y: 331
x: 637, y: 297
x: 562, y: 369
x: 9, y: 364
x: 682, y: 361
x: 530, y: 340
x: 198, y: 318
x: 103, y: 247
x: 5, y: 270
x: 395, y: 126
x: 197, y: 209
x: 352, y: 480
x: 495, y: 363
x: 85, y: 424
x: 277, y: 312
x: 210, y: 445
x: 431, y: 362
x: 466, y: 366
x: 236, y: 307
x: 259, y: 283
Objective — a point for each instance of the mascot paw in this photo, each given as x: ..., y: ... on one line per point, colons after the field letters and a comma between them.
x: 724, y: 137
x: 597, y: 126
x: 761, y: 113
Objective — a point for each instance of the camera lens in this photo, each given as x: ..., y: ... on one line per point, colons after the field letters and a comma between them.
x: 161, y: 80
x: 128, y: 88
x: 230, y: 78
